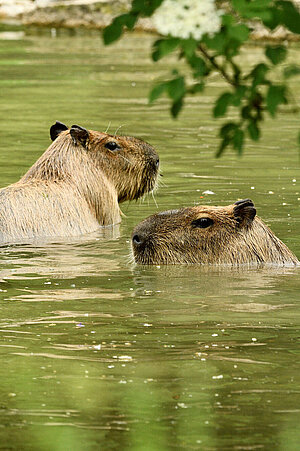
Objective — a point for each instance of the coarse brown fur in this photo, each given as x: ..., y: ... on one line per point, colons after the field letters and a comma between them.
x: 230, y: 235
x: 76, y: 185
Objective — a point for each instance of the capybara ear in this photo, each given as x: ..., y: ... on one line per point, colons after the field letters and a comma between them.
x: 244, y: 212
x: 79, y: 135
x: 56, y: 129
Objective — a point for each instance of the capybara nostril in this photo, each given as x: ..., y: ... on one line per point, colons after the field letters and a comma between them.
x: 137, y: 240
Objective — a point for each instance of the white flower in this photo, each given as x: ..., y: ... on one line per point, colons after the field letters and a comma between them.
x: 187, y: 18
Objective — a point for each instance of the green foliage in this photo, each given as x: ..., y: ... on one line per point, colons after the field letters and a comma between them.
x: 258, y: 75
x: 253, y: 130
x: 175, y: 89
x: 145, y: 7
x: 139, y: 8
x: 276, y: 54
x: 291, y: 71
x: 115, y: 29
x: 157, y: 91
x: 288, y: 15
x: 251, y: 94
x: 276, y: 95
x: 227, y: 98
x: 163, y: 47
x: 198, y: 65
x: 222, y: 104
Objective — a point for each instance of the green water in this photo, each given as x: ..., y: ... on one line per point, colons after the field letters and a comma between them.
x: 100, y: 354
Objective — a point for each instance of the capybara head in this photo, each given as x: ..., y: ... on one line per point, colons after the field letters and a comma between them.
x: 130, y: 164
x: 231, y: 235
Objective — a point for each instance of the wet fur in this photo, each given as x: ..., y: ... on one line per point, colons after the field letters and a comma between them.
x: 72, y: 190
x: 237, y: 237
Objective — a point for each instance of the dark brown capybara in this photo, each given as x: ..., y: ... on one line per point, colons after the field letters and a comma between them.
x: 77, y: 184
x: 231, y: 235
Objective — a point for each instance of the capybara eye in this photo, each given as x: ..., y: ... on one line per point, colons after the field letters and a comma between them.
x: 112, y: 145
x: 202, y: 223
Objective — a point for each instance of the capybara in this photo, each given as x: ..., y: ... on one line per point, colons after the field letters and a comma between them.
x: 231, y: 235
x: 77, y: 184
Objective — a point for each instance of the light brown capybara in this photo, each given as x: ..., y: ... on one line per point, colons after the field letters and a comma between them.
x: 77, y: 184
x: 231, y: 235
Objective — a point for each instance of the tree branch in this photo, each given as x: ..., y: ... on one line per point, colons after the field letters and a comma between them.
x: 217, y: 66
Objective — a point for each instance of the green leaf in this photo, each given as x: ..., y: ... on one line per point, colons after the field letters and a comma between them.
x: 274, y: 20
x: 189, y: 47
x: 227, y: 20
x: 176, y: 107
x: 228, y: 98
x: 276, y: 54
x: 238, y: 95
x: 157, y: 91
x: 258, y: 74
x: 130, y: 21
x: 163, y: 47
x: 238, y: 140
x: 291, y: 71
x: 231, y: 133
x: 145, y: 7
x: 253, y: 131
x: 239, y: 32
x: 224, y: 143
x: 245, y: 5
x: 198, y: 65
x: 222, y: 104
x: 228, y: 129
x: 299, y: 139
x: 255, y: 9
x: 290, y: 16
x: 276, y: 95
x: 195, y: 88
x: 176, y: 88
x: 138, y: 6
x: 112, y: 32
x: 246, y: 112
x: 126, y: 19
x: 217, y: 42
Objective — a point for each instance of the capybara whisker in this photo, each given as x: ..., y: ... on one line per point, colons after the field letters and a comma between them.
x: 207, y: 235
x: 154, y: 200
x: 160, y: 182
x: 130, y: 258
x: 129, y: 162
x: 118, y: 128
x: 77, y: 184
x: 108, y: 127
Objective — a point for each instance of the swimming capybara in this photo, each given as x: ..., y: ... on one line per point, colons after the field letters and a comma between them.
x: 77, y: 184
x: 231, y: 235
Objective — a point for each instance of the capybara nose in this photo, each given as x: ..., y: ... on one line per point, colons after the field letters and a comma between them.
x: 137, y: 240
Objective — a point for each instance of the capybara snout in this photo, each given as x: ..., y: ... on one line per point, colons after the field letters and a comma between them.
x: 230, y: 235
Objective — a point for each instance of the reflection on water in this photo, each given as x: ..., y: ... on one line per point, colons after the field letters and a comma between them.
x: 62, y: 258
x: 97, y: 350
